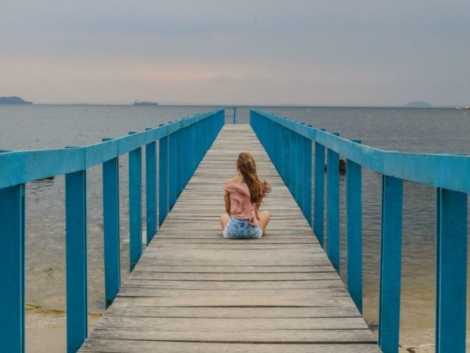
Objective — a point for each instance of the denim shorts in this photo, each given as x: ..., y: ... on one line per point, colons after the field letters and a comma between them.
x: 242, y: 229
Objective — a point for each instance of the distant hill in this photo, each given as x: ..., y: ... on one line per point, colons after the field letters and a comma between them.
x: 417, y: 104
x: 13, y: 100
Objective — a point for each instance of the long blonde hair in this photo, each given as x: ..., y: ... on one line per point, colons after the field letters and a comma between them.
x: 258, y: 187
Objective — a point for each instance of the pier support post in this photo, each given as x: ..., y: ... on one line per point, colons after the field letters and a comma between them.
x: 172, y: 180
x: 12, y: 269
x: 151, y: 189
x: 319, y: 195
x: 112, y: 249
x: 76, y: 260
x: 135, y: 206
x: 390, y: 264
x: 451, y: 271
x: 307, y: 179
x: 333, y: 238
x: 354, y: 230
x: 163, y: 180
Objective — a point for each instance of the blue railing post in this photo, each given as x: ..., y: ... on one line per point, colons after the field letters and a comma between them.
x: 390, y: 264
x: 76, y: 260
x: 135, y: 206
x: 285, y: 172
x: 354, y: 230
x: 163, y: 179
x: 12, y: 269
x: 180, y: 162
x: 112, y: 249
x: 297, y: 171
x: 319, y: 193
x: 451, y: 271
x: 333, y: 235
x: 151, y: 189
x: 307, y: 180
x: 172, y: 194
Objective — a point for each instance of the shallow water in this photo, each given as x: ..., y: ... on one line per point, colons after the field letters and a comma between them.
x: 416, y: 130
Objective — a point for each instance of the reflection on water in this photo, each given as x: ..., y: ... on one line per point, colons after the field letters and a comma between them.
x: 415, y: 130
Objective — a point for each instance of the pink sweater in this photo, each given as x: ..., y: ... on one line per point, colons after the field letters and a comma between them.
x: 241, y: 206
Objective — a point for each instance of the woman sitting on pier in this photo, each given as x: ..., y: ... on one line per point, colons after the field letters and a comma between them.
x: 243, y: 196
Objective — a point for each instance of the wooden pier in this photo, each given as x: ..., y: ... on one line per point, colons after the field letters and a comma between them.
x: 193, y: 291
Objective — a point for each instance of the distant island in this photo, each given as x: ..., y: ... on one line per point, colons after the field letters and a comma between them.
x: 417, y: 104
x: 145, y: 103
x: 13, y: 100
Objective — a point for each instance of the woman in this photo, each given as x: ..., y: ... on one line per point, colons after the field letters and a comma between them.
x: 243, y: 196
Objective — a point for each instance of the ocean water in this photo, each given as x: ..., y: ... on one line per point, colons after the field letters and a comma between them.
x: 413, y: 130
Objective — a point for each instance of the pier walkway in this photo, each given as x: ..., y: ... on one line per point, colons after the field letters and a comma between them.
x: 193, y: 291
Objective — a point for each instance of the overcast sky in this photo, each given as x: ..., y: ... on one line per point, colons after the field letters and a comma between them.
x: 318, y: 52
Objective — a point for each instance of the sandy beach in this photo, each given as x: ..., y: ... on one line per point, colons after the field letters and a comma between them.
x: 46, y: 332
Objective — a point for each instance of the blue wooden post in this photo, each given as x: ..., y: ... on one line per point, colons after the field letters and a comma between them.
x: 390, y: 264
x: 135, y: 206
x: 307, y: 185
x: 333, y: 246
x: 76, y: 259
x: 285, y: 156
x: 234, y: 116
x: 451, y: 271
x: 354, y: 231
x: 319, y: 193
x: 163, y: 180
x: 297, y: 171
x: 112, y: 249
x: 151, y: 189
x: 278, y: 148
x: 12, y: 269
x: 173, y: 169
x: 180, y: 163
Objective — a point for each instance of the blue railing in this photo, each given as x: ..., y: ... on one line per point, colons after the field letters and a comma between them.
x: 289, y: 145
x: 181, y: 145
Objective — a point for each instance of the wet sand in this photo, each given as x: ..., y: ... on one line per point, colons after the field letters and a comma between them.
x: 46, y: 332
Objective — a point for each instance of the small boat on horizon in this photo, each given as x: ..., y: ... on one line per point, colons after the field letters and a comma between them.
x: 145, y: 103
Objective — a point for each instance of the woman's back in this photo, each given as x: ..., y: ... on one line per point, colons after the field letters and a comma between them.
x: 243, y: 196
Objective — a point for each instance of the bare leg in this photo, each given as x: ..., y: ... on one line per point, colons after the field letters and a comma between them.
x: 264, y: 218
x: 224, y: 220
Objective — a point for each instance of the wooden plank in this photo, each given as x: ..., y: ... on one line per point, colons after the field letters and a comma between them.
x: 262, y: 336
x: 127, y: 346
x: 186, y: 324
x: 144, y: 291
x: 269, y: 272
x: 231, y: 285
x: 272, y: 300
x: 232, y: 312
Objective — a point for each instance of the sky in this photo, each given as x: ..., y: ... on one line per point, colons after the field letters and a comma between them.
x: 253, y: 52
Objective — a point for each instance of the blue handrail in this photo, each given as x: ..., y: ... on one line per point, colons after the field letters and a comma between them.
x: 181, y: 144
x: 289, y: 145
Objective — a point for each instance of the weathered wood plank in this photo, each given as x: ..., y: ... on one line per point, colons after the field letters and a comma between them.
x: 249, y: 336
x: 268, y: 272
x: 225, y: 324
x: 127, y: 346
x: 273, y: 300
x: 233, y: 285
x: 232, y: 312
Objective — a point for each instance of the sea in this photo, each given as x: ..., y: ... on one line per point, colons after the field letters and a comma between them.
x: 400, y: 129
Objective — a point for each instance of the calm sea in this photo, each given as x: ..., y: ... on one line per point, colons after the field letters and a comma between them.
x: 414, y: 130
